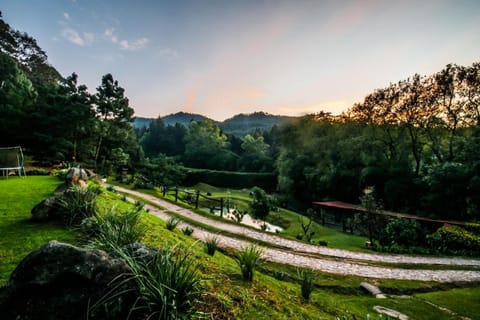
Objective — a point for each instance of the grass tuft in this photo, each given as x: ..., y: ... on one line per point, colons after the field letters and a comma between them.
x: 307, y: 283
x: 112, y: 230
x: 248, y: 259
x: 172, y: 223
x: 211, y: 245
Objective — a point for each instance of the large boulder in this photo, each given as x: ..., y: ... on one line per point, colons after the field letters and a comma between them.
x: 61, y: 281
x: 76, y: 176
x: 45, y: 210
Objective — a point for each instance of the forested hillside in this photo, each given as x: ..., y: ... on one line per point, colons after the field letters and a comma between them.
x: 415, y: 142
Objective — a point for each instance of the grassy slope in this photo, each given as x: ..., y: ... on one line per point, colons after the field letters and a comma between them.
x: 227, y: 296
x: 289, y: 220
x: 18, y: 234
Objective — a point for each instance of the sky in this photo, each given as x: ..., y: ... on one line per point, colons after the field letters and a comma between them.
x: 221, y: 58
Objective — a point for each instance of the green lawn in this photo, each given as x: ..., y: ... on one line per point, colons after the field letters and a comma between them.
x: 287, y: 219
x: 275, y: 292
x: 18, y: 234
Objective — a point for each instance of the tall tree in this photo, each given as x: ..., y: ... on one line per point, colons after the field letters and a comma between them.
x: 17, y: 96
x: 115, y: 131
x: 207, y: 147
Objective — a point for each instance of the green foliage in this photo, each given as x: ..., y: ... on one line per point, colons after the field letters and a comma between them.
x: 112, y: 230
x: 261, y: 203
x: 207, y: 147
x: 229, y: 179
x: 307, y: 282
x: 211, y: 245
x: 454, y: 240
x: 187, y: 231
x: 172, y: 223
x: 78, y: 203
x: 404, y: 232
x: 168, y: 283
x: 162, y: 171
x: 248, y: 259
x: 161, y: 139
x: 473, y: 227
x: 16, y: 97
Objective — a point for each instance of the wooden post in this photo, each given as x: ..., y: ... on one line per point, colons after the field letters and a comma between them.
x: 221, y: 207
x: 164, y: 190
x: 197, y: 196
x: 176, y: 193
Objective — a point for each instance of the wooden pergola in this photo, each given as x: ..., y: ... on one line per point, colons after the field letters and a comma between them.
x: 349, y: 208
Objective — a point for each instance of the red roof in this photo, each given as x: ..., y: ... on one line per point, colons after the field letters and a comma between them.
x: 353, y: 207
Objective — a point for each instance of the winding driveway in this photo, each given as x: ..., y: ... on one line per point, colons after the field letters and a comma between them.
x: 306, y: 255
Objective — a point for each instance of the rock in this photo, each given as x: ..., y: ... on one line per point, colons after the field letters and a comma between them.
x: 44, y: 210
x: 391, y: 313
x: 373, y: 290
x: 61, y: 281
x: 76, y: 176
x: 140, y: 251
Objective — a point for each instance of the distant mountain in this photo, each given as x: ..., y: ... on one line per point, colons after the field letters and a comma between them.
x: 239, y: 125
x: 182, y: 118
x: 140, y: 122
x: 179, y: 117
x: 243, y: 124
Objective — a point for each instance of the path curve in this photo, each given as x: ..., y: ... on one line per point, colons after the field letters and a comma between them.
x: 326, y: 265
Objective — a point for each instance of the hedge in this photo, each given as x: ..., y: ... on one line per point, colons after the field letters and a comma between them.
x: 230, y: 179
x: 454, y: 240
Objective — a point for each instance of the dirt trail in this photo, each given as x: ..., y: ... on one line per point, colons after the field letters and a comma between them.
x: 293, y: 254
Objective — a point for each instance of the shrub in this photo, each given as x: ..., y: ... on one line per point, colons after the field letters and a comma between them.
x: 403, y: 232
x: 78, y: 203
x: 322, y: 243
x: 453, y: 239
x: 473, y: 227
x: 211, y: 245
x: 261, y: 203
x: 307, y: 283
x: 172, y: 223
x: 168, y: 284
x: 299, y: 236
x: 187, y: 231
x: 112, y: 230
x: 248, y: 259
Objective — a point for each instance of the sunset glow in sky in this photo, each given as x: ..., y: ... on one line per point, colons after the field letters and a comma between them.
x: 220, y: 58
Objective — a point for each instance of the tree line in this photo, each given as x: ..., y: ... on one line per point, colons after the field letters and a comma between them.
x: 416, y: 142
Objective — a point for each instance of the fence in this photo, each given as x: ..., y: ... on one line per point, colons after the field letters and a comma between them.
x: 197, y: 199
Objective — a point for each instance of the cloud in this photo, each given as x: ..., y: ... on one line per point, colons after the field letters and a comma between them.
x: 134, y: 45
x: 80, y: 39
x: 124, y: 44
x: 66, y: 16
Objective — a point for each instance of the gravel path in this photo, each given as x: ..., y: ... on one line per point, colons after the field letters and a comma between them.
x: 290, y: 255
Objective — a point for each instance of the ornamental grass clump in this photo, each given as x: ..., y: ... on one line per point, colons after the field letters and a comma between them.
x: 165, y: 285
x: 168, y: 284
x: 112, y: 230
x: 78, y: 203
x: 187, y: 231
x: 307, y: 283
x: 211, y: 245
x: 172, y: 223
x: 248, y: 259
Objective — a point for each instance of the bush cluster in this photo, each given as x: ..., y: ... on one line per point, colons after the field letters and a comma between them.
x: 454, y: 240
